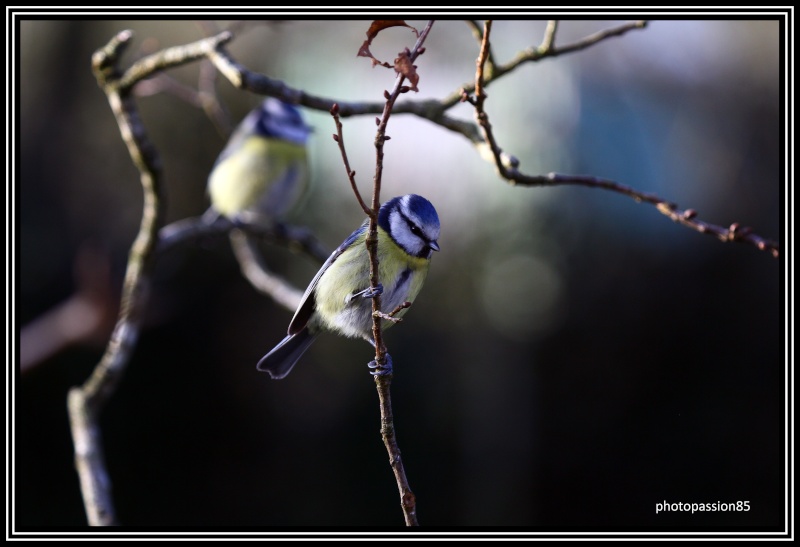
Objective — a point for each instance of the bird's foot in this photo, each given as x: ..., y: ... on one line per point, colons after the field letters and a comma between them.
x: 381, y: 370
x: 370, y: 293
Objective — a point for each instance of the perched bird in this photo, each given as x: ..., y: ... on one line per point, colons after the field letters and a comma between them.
x: 338, y: 298
x: 264, y: 168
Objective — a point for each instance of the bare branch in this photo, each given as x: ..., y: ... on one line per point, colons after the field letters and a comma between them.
x: 549, y: 39
x: 351, y: 175
x: 477, y: 31
x: 382, y: 382
x: 391, y: 315
x: 293, y: 237
x: 255, y: 270
x: 545, y: 50
x: 507, y: 167
x: 171, y: 57
x: 86, y: 317
x: 87, y: 401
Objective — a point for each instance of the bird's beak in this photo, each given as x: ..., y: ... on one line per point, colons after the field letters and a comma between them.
x: 434, y: 245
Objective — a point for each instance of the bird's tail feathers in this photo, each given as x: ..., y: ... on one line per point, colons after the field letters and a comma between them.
x: 279, y: 362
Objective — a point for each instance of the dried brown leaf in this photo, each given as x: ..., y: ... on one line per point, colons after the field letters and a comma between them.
x: 402, y: 65
x: 378, y: 26
x: 373, y: 31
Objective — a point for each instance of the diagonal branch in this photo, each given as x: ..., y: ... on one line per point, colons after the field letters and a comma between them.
x: 546, y: 49
x: 507, y: 165
x: 252, y: 264
x: 351, y: 175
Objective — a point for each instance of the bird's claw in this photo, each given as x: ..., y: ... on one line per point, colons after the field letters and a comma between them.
x: 370, y: 293
x: 381, y: 370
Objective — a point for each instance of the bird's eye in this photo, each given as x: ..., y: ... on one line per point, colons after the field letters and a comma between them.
x: 415, y: 230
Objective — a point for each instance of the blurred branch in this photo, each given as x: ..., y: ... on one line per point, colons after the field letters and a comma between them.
x: 252, y: 264
x: 166, y: 58
x: 477, y: 31
x: 86, y: 317
x: 255, y: 270
x: 293, y: 237
x: 507, y: 165
x: 480, y: 134
x: 86, y: 402
x: 536, y: 53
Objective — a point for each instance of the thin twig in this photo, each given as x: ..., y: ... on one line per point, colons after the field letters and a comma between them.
x: 545, y: 50
x: 383, y: 382
x: 477, y: 31
x: 351, y: 175
x: 508, y: 170
x: 435, y: 111
x: 391, y: 315
x: 430, y: 109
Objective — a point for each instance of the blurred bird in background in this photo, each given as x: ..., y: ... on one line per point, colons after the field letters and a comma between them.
x: 264, y: 167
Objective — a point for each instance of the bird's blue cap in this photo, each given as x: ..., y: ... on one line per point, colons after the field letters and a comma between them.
x: 423, y: 208
x: 280, y: 120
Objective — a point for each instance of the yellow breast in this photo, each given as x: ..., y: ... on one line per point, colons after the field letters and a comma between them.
x: 401, y: 275
x: 266, y: 175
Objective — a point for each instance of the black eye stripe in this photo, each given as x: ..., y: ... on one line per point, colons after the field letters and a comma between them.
x: 416, y: 230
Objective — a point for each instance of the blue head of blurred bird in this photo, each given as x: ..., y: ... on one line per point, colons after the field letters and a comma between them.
x: 339, y: 297
x: 264, y: 167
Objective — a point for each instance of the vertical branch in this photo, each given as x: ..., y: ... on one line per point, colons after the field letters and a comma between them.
x: 372, y: 234
x: 549, y: 40
x: 382, y: 382
x: 87, y: 401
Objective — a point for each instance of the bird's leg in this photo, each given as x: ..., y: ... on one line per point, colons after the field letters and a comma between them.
x: 381, y: 370
x: 369, y: 293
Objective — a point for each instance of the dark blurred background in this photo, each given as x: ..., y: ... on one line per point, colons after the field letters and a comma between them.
x: 574, y: 359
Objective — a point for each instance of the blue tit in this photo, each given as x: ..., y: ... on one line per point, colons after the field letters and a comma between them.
x: 339, y: 297
x: 264, y: 167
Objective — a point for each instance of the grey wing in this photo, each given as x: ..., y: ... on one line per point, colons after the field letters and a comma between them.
x: 306, y: 308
